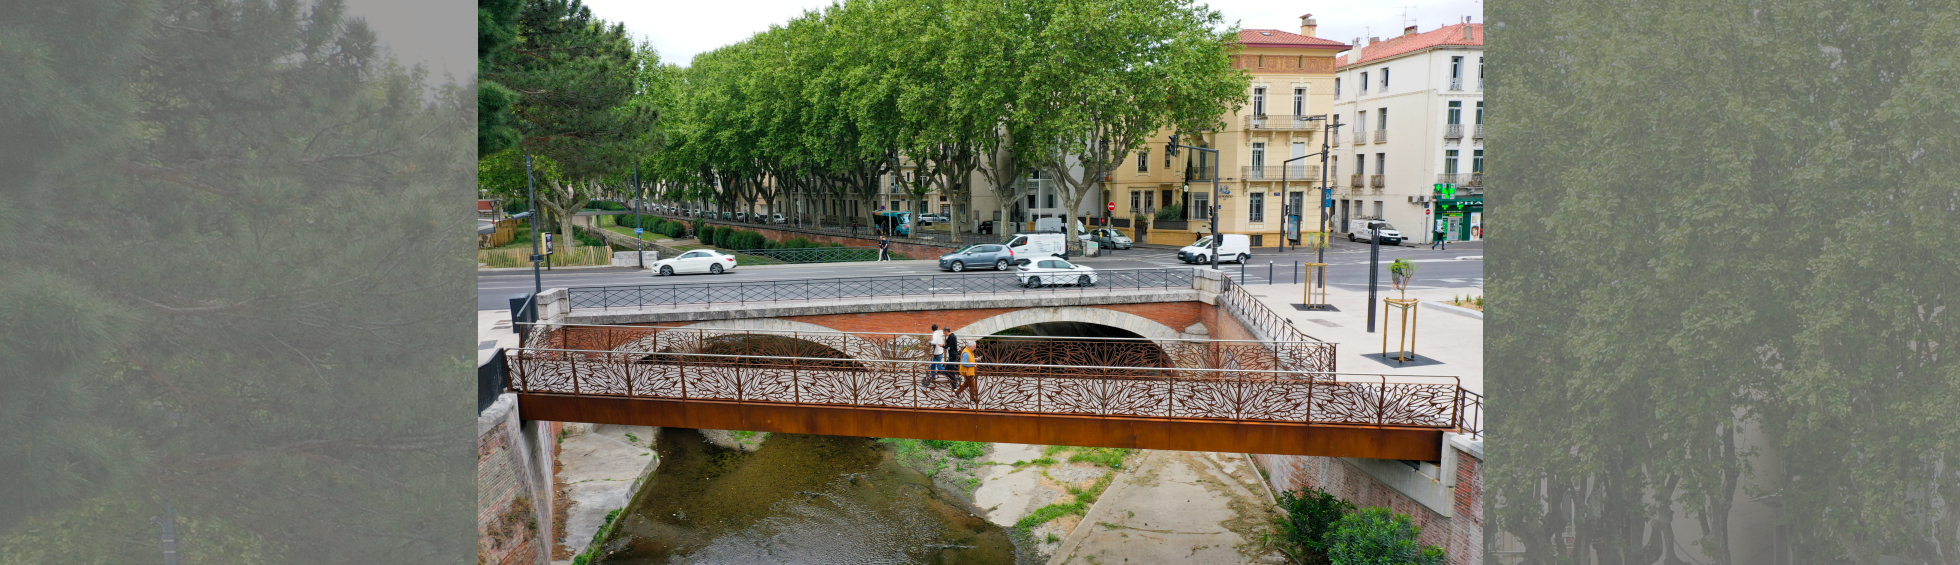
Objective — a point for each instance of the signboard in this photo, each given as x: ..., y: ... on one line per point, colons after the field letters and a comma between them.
x: 639, y: 231
x: 1112, y: 206
x: 547, y: 244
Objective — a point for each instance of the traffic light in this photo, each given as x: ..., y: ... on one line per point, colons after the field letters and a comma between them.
x: 1172, y: 148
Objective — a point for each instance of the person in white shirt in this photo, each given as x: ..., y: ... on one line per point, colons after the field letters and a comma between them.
x: 938, y: 355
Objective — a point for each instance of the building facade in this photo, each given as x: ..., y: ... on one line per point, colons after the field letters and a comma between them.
x: 1412, y: 114
x: 1290, y: 92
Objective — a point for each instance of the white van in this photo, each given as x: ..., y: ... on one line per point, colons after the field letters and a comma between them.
x: 1038, y: 245
x: 1233, y: 247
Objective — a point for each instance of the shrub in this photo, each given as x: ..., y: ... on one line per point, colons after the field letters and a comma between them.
x: 1171, y: 212
x: 1301, y: 533
x: 1379, y: 536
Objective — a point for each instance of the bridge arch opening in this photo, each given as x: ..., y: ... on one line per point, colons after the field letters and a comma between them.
x: 1072, y: 343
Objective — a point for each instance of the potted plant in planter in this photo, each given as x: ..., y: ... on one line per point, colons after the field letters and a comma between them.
x: 1401, y: 272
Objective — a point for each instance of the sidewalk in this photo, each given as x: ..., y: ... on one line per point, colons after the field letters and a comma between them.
x: 1448, y: 343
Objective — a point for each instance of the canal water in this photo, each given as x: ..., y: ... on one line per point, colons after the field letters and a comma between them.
x: 798, y: 499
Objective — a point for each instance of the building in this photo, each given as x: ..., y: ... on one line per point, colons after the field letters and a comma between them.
x: 1292, y: 84
x: 1412, y: 109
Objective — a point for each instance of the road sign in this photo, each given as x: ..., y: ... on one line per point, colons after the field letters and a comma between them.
x: 1112, y: 206
x: 639, y: 231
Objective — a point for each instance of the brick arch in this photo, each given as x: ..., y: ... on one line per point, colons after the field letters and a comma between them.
x: 853, y: 346
x: 1150, y: 329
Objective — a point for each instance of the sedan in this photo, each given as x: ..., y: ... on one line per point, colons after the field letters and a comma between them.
x: 992, y: 254
x: 696, y: 261
x: 1109, y: 238
x: 1052, y: 271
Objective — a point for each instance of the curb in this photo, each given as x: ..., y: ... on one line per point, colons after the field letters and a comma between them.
x: 1458, y: 310
x: 527, y: 269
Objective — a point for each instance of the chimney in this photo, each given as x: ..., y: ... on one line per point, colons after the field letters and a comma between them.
x: 1466, y: 30
x: 1411, y: 30
x: 1306, y: 25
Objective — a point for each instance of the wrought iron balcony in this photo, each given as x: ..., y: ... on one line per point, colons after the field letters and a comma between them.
x: 1295, y: 172
x: 1377, y: 181
x: 1381, y: 136
x: 1476, y: 180
x: 1452, y: 131
x: 1478, y: 132
x: 1285, y: 122
x: 1357, y: 181
x: 1456, y: 83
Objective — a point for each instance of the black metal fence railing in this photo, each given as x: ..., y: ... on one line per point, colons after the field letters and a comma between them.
x: 808, y: 255
x: 640, y: 296
x: 1256, y: 315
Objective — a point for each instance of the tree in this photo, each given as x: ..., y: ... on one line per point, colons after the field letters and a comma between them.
x: 496, y: 30
x: 1301, y: 534
x: 1112, y: 74
x: 1378, y: 536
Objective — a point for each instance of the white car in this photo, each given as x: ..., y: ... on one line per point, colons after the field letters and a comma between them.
x: 930, y: 219
x: 1052, y: 271
x: 778, y: 219
x: 696, y: 261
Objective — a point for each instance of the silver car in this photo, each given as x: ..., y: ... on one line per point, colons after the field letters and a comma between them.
x: 992, y: 254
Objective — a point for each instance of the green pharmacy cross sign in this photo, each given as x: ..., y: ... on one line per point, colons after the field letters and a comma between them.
x: 1458, y: 203
x: 1446, y: 190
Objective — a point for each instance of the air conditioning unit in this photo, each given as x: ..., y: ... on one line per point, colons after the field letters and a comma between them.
x: 1418, y: 199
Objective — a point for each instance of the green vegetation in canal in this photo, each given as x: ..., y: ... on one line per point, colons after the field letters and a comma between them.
x: 598, y: 537
x: 1080, y: 501
x: 1379, y: 536
x: 1300, y: 533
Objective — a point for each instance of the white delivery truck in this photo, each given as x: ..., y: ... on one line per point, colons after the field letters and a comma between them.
x: 1231, y: 247
x: 1038, y: 245
x: 1364, y: 229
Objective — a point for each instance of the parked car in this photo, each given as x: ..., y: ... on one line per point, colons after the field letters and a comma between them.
x: 696, y: 261
x: 1365, y: 229
x: 930, y: 219
x: 728, y: 215
x: 986, y: 227
x: 1053, y: 271
x: 994, y: 254
x: 778, y: 219
x: 1231, y: 247
x: 1031, y: 245
x: 1110, y: 238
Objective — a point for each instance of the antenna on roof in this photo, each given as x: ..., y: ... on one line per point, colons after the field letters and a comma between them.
x: 1406, y: 19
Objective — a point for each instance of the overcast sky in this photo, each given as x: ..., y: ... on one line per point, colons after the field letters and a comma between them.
x: 681, y: 30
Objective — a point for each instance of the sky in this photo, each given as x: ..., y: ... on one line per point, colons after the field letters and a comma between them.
x: 681, y: 30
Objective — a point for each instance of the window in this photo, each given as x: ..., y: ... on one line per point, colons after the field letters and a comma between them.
x: 1381, y: 163
x: 1449, y: 161
x: 1143, y: 160
x: 1361, y: 163
x: 1257, y: 241
x: 1258, y: 156
x: 1360, y: 122
x: 1167, y: 156
x: 1136, y: 201
x: 1030, y: 201
x: 1200, y: 206
x: 1364, y: 83
x: 1381, y: 118
x: 1334, y: 168
x: 1477, y: 161
x: 1455, y: 114
x: 1384, y: 79
x: 1337, y: 87
x: 1480, y: 112
x: 1299, y: 101
x: 1378, y: 208
x: 1148, y: 203
x: 1456, y: 67
x: 1259, y: 101
x: 1258, y: 211
x: 1051, y: 200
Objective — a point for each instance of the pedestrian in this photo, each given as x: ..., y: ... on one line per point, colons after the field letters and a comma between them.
x: 952, y: 350
x: 1440, y: 237
x: 854, y: 227
x: 884, y: 249
x: 971, y: 370
x: 938, y: 343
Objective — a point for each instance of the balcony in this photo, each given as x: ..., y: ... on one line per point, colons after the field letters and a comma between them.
x: 1357, y: 181
x: 1360, y: 137
x: 1281, y: 122
x: 1377, y: 181
x: 1456, y: 83
x: 1452, y: 131
x: 1296, y: 172
x: 1478, y: 132
x: 1476, y: 180
x: 1381, y: 136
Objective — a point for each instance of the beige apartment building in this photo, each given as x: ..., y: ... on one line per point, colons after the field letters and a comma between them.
x: 1292, y: 79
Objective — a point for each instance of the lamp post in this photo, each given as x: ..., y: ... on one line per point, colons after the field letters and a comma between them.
x: 1323, y: 165
x: 639, y: 216
x: 1326, y: 200
x: 537, y: 255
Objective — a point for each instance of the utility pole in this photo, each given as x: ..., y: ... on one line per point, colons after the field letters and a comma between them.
x: 1374, y: 268
x: 1326, y: 202
x: 639, y: 216
x: 1323, y: 178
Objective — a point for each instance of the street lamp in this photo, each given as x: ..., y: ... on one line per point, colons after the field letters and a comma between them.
x: 1323, y: 165
x: 1213, y: 212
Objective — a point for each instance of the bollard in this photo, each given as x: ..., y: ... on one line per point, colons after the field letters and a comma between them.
x: 1269, y: 273
x: 1296, y: 272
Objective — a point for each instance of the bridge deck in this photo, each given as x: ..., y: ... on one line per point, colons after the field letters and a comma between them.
x: 1255, y: 411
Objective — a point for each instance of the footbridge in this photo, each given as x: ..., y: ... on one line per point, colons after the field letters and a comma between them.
x: 1188, y: 362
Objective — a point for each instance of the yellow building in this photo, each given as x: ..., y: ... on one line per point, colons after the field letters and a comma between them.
x: 1292, y: 78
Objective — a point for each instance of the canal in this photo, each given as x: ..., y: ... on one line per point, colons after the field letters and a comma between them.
x: 796, y: 499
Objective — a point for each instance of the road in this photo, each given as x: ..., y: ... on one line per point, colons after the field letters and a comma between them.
x: 1347, y: 267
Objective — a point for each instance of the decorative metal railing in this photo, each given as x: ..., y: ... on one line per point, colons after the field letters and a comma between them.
x: 1242, y: 395
x: 1452, y: 131
x: 1294, y: 352
x: 807, y: 255
x: 1256, y: 316
x: 639, y: 296
x: 1296, y: 172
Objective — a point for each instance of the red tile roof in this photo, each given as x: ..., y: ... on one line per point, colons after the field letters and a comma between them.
x: 1447, y: 35
x: 1277, y: 38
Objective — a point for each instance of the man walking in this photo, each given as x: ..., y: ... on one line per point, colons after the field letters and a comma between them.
x: 884, y: 249
x: 1440, y: 237
x: 938, y: 342
x: 971, y: 372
